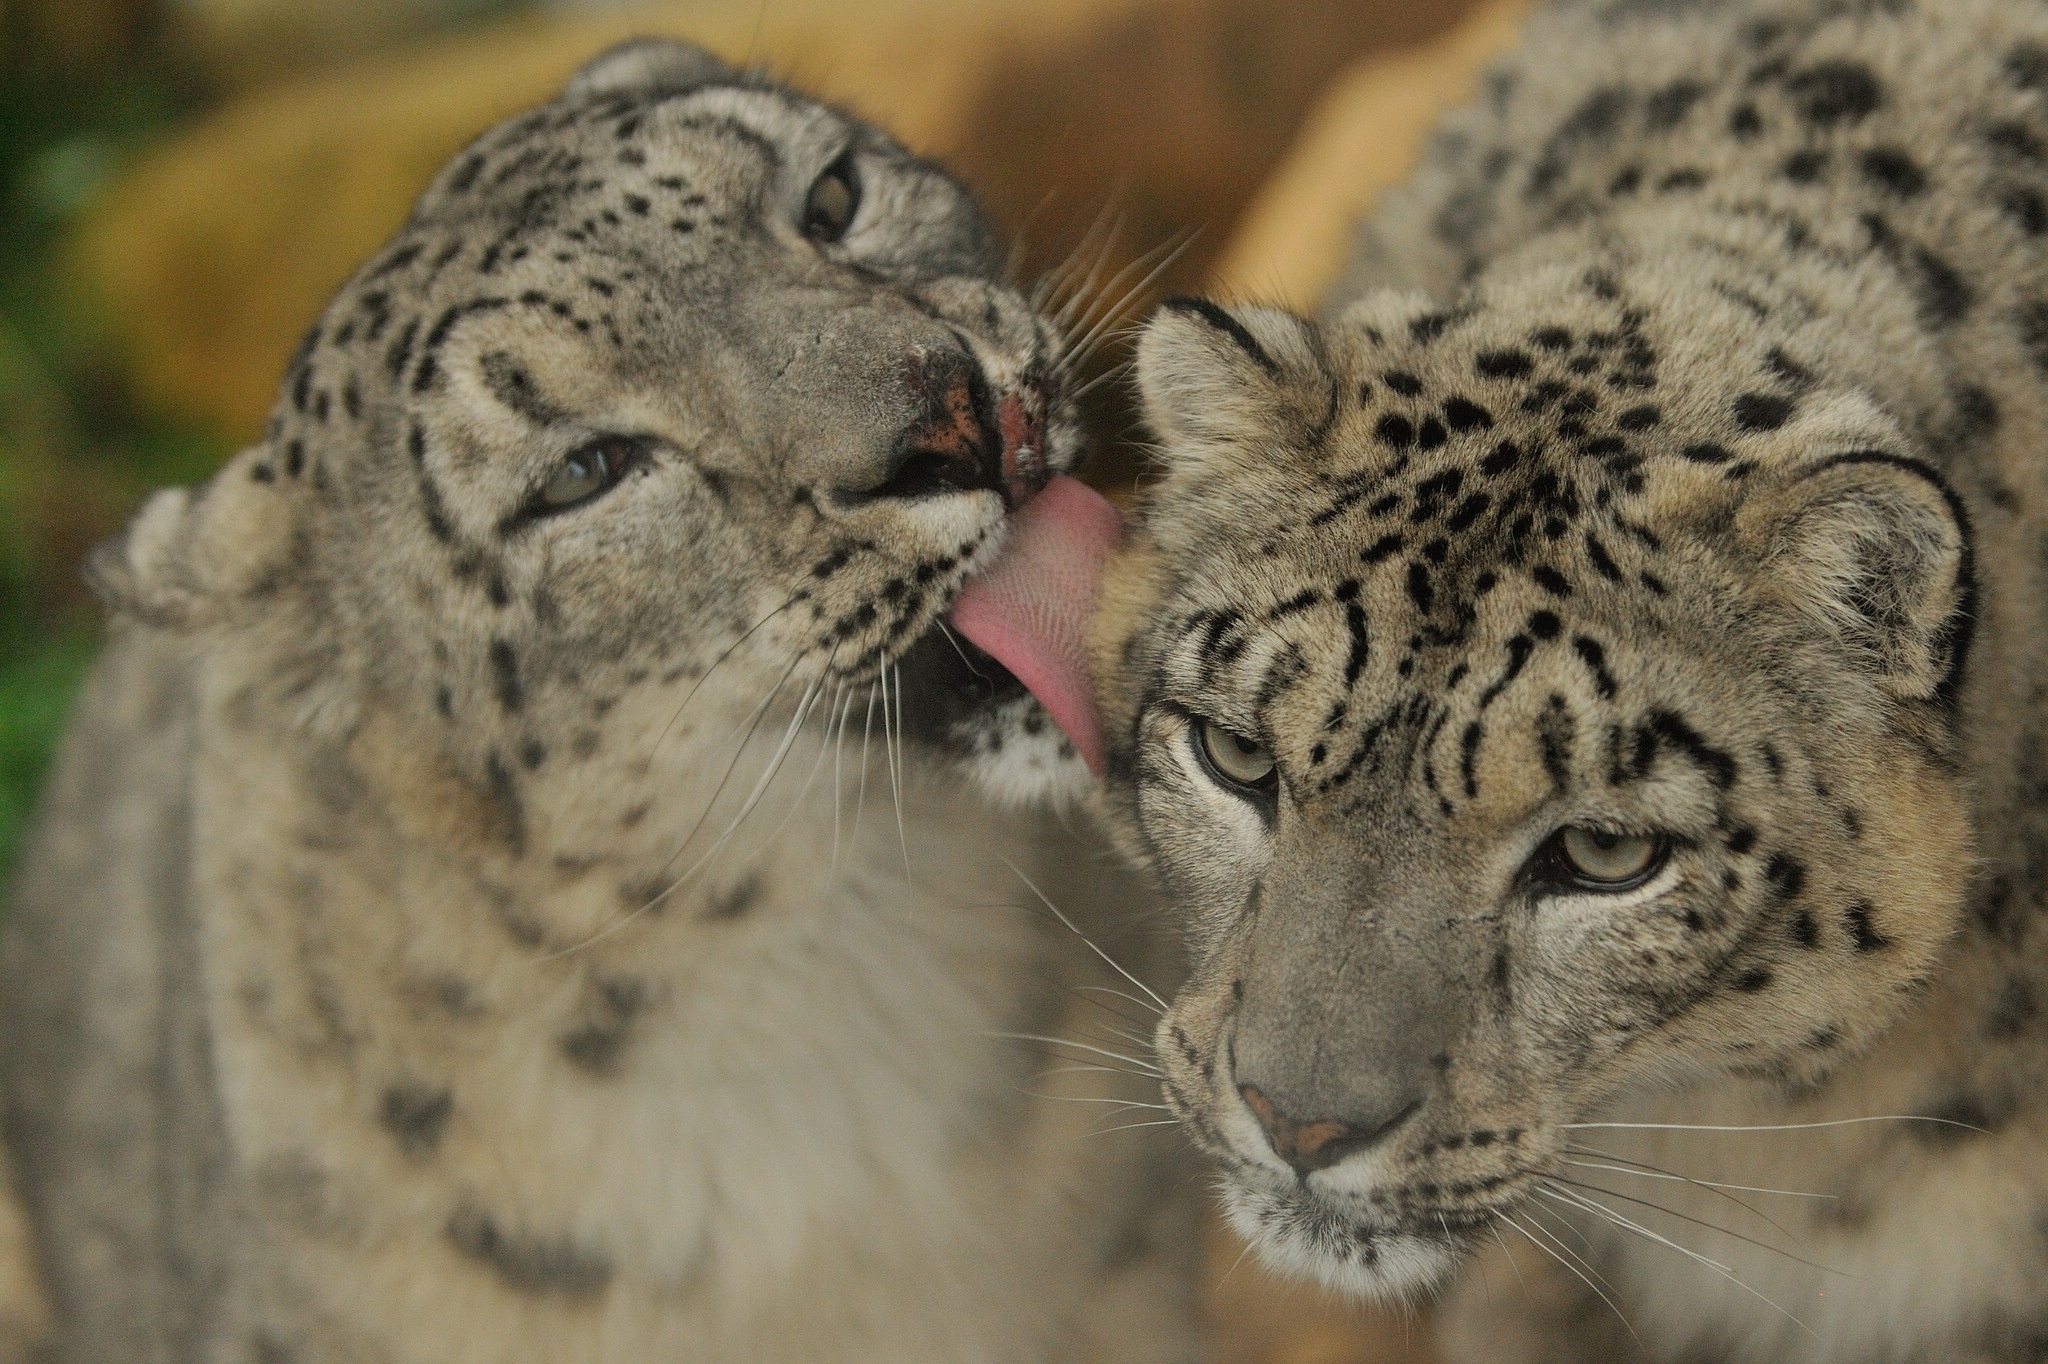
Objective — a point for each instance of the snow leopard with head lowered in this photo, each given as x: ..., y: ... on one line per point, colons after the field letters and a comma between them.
x: 513, y: 888
x: 1586, y: 695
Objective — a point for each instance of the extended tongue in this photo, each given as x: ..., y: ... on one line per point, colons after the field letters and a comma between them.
x: 1030, y: 612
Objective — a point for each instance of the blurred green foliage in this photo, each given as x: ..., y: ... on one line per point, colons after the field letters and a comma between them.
x: 87, y: 87
x: 75, y: 453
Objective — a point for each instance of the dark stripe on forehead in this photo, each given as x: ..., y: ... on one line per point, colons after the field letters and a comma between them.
x: 1222, y: 321
x: 1668, y: 729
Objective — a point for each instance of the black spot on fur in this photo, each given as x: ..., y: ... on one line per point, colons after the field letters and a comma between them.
x: 595, y: 1048
x: 1503, y: 364
x: 1595, y: 658
x: 1551, y: 581
x: 505, y: 676
x: 1891, y: 169
x: 1407, y: 385
x: 504, y: 793
x: 1745, y: 123
x: 733, y: 902
x: 1863, y: 930
x: 1835, y: 92
x: 1667, y: 108
x: 2025, y: 206
x: 416, y: 1115
x: 1753, y: 980
x: 1707, y: 453
x: 1395, y: 431
x: 1419, y: 590
x: 1786, y: 875
x: 1380, y: 549
x: 528, y: 1264
x: 1805, y: 167
x: 1466, y: 415
x: 2026, y: 66
x: 1762, y: 411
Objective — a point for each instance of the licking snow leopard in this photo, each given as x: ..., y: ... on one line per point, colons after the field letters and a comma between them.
x: 511, y: 889
x: 1596, y: 678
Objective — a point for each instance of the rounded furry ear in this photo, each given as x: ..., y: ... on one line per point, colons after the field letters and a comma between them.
x: 1213, y: 377
x: 650, y: 66
x: 191, y: 553
x: 1875, y: 550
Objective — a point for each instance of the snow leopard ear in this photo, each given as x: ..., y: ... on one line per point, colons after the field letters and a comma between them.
x: 648, y: 66
x: 1218, y: 383
x: 191, y: 554
x: 1874, y: 549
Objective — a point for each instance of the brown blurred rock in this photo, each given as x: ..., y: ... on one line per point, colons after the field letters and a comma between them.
x: 208, y: 261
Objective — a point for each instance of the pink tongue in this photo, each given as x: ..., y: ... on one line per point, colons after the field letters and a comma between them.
x: 1030, y: 612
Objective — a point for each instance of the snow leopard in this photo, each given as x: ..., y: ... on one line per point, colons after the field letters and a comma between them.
x: 1586, y: 698
x: 528, y: 878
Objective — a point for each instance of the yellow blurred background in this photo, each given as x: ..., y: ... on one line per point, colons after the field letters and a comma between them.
x: 188, y: 180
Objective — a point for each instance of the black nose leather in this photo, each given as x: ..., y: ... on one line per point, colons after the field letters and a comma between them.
x: 1318, y: 1143
x: 954, y: 445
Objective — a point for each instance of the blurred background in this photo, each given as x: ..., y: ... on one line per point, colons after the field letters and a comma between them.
x: 185, y: 182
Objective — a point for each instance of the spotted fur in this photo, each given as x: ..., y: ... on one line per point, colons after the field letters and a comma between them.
x: 421, y: 958
x: 1671, y: 464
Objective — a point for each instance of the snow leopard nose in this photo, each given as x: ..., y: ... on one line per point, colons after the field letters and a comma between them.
x: 955, y: 443
x: 1314, y: 1144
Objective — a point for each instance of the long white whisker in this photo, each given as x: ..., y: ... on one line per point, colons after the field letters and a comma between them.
x: 1059, y: 914
x: 1132, y: 1126
x: 1512, y: 1262
x: 824, y: 746
x: 838, y: 778
x: 1620, y: 1316
x: 753, y: 799
x: 893, y: 747
x: 1560, y: 1180
x: 1121, y: 994
x: 1702, y: 1183
x: 705, y: 676
x: 1600, y: 1209
x: 1115, y: 313
x: 1077, y: 1046
x: 1721, y: 1191
x: 860, y: 799
x: 748, y: 725
x: 1768, y: 1127
x: 1121, y: 1105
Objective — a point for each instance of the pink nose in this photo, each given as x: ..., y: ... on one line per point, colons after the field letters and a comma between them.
x: 1021, y: 419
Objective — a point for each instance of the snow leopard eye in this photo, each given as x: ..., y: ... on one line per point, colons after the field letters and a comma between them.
x: 1234, y: 760
x: 588, y: 470
x: 1600, y: 859
x: 833, y: 201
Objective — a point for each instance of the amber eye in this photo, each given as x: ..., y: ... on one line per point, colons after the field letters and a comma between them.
x: 833, y: 201
x: 1599, y: 859
x: 589, y: 470
x: 1235, y: 760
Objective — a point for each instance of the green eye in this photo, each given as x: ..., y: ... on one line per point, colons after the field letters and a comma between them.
x: 1597, y: 859
x: 587, y: 471
x: 1235, y: 760
x: 833, y: 201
